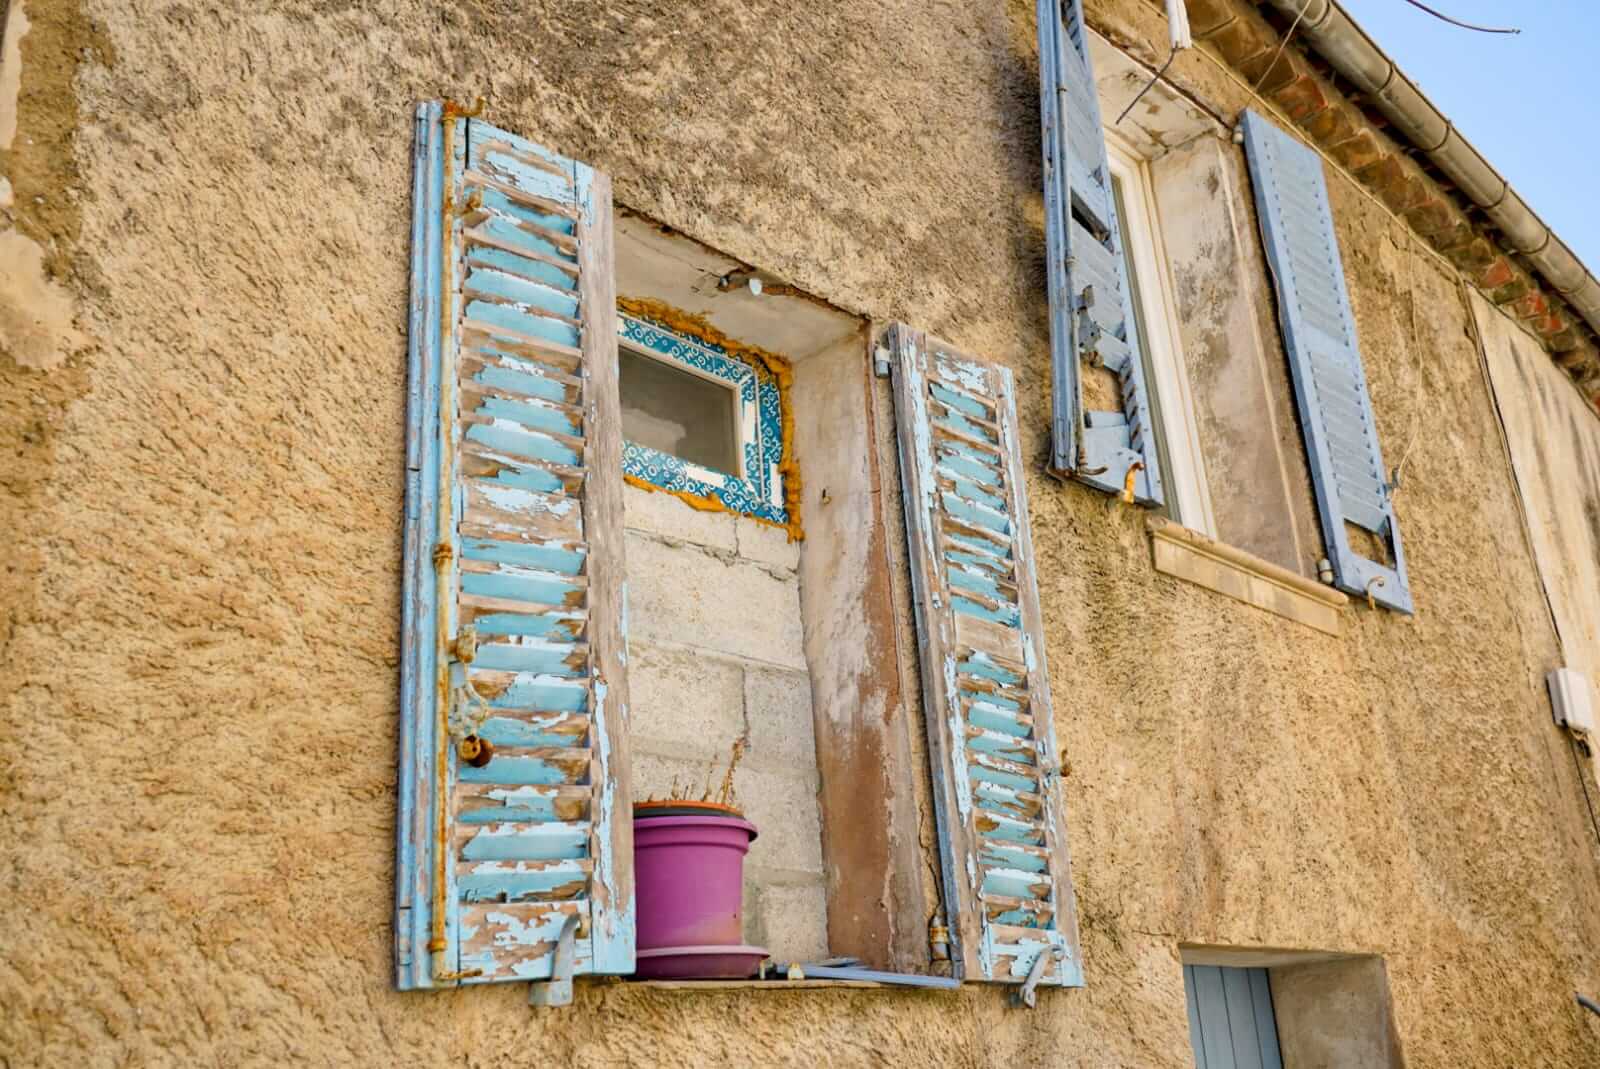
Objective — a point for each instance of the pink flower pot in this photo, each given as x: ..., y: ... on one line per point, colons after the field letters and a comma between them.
x: 689, y: 870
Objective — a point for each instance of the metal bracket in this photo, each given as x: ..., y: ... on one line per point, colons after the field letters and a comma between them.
x: 557, y: 991
x: 1028, y: 997
x: 880, y: 362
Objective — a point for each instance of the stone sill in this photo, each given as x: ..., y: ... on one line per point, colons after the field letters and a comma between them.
x: 1234, y: 573
x: 761, y: 985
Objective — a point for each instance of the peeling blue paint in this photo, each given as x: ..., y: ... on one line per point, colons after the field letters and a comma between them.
x: 546, y: 692
x: 518, y: 654
x: 492, y: 282
x: 527, y: 842
x: 538, y: 415
x: 525, y: 267
x: 514, y: 225
x: 539, y: 587
x: 514, y: 881
x: 515, y: 375
x: 1005, y: 615
x: 564, y: 558
x: 515, y: 439
x: 960, y: 402
x: 521, y: 319
x: 982, y: 515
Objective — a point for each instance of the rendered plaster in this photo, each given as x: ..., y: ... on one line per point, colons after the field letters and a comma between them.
x: 200, y: 635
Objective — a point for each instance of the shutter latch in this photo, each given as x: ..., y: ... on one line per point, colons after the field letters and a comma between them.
x: 557, y: 991
x: 1028, y: 997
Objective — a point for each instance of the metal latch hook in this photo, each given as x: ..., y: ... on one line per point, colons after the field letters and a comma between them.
x: 557, y: 991
x: 1028, y: 997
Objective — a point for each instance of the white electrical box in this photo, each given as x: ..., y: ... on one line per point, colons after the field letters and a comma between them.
x: 1572, y: 700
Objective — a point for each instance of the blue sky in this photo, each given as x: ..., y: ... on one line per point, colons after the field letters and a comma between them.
x: 1530, y: 103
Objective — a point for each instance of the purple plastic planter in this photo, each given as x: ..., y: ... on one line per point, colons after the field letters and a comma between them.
x: 689, y: 870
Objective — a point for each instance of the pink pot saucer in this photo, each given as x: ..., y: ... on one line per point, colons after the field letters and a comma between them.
x: 700, y: 963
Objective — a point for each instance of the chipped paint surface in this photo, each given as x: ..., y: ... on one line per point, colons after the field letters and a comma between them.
x: 1002, y: 843
x: 532, y: 829
x: 218, y: 526
x: 37, y: 313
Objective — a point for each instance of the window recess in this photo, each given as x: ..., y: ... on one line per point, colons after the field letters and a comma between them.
x: 704, y: 420
x: 1150, y: 288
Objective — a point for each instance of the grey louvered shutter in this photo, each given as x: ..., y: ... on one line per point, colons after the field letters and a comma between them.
x: 1231, y: 1022
x: 1330, y: 387
x: 1092, y: 322
x: 986, y: 689
x: 512, y: 630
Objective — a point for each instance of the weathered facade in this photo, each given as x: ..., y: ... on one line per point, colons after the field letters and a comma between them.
x: 204, y: 272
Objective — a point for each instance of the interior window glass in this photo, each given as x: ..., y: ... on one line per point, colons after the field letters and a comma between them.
x: 678, y: 412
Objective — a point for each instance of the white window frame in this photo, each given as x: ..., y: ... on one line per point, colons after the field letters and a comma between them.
x: 1140, y: 219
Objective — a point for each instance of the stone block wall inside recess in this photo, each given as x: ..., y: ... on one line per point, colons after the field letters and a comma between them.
x: 715, y: 654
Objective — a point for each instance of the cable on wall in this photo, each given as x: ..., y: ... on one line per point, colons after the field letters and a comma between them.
x: 1441, y: 16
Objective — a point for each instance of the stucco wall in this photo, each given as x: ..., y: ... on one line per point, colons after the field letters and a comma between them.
x: 200, y: 604
x: 1555, y: 453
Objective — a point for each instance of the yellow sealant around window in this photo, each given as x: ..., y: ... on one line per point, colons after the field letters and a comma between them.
x: 782, y: 373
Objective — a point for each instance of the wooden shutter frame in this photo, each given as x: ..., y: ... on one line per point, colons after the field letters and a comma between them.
x: 427, y: 765
x: 1094, y: 447
x: 973, y: 937
x: 1387, y: 585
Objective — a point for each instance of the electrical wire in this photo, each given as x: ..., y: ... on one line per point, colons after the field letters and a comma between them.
x: 1578, y: 768
x: 1148, y: 85
x: 1457, y: 22
x: 1295, y: 25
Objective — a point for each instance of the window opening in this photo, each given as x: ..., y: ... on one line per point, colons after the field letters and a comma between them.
x: 670, y: 410
x: 703, y: 420
x: 1155, y: 318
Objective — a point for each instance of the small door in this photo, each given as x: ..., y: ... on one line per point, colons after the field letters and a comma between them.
x: 1231, y: 1025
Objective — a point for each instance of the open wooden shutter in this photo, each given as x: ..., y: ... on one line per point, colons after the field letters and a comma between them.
x: 514, y: 570
x: 986, y: 690
x: 1330, y: 387
x: 1092, y: 322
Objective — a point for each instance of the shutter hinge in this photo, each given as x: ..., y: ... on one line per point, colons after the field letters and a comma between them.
x: 402, y: 936
x: 938, y: 938
x: 880, y: 362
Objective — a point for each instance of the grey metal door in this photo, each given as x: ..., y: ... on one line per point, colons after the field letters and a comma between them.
x: 1231, y: 1025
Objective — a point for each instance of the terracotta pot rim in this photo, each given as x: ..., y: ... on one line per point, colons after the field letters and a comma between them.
x: 646, y: 809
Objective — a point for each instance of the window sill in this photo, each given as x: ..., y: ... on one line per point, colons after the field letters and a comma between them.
x: 1205, y: 562
x: 758, y: 985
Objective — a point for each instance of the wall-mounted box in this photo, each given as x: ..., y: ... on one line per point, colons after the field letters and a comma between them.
x: 1571, y: 700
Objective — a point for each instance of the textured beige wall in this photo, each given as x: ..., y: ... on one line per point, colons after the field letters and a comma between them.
x: 1334, y: 1014
x: 1555, y: 452
x: 200, y: 603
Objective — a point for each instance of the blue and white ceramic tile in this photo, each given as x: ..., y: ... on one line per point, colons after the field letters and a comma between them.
x: 758, y: 490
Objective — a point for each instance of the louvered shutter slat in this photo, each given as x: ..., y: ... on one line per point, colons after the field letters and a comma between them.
x: 518, y: 410
x: 986, y: 692
x: 1330, y: 385
x: 1085, y: 276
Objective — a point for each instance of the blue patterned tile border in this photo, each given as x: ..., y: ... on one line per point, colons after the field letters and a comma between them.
x: 758, y: 490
